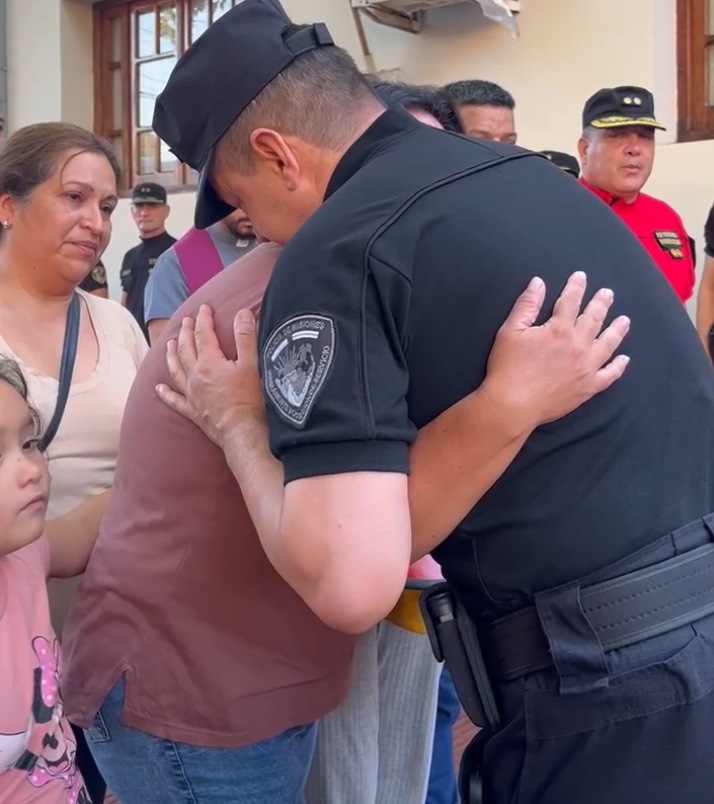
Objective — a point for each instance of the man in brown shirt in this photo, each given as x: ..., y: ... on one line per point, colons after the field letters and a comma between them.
x: 181, y: 619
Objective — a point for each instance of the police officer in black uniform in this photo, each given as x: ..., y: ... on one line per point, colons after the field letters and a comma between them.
x: 589, y: 566
x: 566, y: 162
x: 705, y: 294
x: 149, y: 207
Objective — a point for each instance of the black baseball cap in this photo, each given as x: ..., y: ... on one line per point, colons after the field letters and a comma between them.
x: 620, y: 106
x: 218, y: 76
x: 148, y: 193
x: 564, y: 161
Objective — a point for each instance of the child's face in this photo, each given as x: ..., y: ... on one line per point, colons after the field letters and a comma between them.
x: 24, y: 480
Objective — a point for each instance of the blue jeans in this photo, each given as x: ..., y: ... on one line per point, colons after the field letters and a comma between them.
x: 141, y: 769
x: 442, y: 779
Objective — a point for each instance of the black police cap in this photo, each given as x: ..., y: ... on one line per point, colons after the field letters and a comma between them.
x: 148, y: 193
x: 620, y: 106
x: 564, y: 161
x: 217, y: 78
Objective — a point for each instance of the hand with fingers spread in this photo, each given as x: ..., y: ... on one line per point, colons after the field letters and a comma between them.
x: 211, y: 390
x: 537, y: 374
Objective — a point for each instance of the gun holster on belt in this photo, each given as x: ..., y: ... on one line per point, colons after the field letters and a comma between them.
x: 455, y: 641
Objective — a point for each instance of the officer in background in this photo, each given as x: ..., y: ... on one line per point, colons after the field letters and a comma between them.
x: 705, y: 295
x: 564, y: 161
x: 588, y: 569
x: 486, y: 110
x: 95, y: 282
x: 149, y: 209
x: 616, y: 150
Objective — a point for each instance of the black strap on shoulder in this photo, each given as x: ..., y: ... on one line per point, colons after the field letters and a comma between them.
x: 69, y: 352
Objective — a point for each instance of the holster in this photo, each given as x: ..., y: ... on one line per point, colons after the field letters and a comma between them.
x: 455, y: 641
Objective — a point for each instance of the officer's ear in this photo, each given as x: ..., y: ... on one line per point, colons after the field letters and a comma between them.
x: 583, y: 145
x: 278, y: 154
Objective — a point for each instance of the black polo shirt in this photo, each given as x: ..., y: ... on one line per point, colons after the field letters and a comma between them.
x: 136, y: 267
x: 381, y: 313
x: 709, y: 234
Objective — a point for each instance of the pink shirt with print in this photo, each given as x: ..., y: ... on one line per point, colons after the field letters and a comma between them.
x: 37, y: 747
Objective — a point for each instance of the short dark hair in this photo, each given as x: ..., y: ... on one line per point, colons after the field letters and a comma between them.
x: 315, y: 98
x: 478, y: 93
x: 420, y: 97
x: 33, y: 153
x: 11, y: 374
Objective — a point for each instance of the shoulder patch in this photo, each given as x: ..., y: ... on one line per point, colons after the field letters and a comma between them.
x: 99, y: 274
x: 297, y: 358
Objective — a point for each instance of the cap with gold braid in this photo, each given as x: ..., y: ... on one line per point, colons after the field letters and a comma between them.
x: 620, y: 106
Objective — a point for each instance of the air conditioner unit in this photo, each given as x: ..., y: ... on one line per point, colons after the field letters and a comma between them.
x: 404, y: 6
x: 412, y: 6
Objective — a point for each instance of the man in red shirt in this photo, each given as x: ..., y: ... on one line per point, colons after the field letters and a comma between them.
x: 616, y: 154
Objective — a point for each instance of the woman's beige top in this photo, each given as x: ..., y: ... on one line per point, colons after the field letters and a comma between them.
x: 83, y: 454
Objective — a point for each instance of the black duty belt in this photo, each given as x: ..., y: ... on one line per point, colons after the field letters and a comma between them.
x: 622, y: 611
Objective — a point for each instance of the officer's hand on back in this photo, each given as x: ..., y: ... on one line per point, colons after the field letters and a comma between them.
x: 537, y: 374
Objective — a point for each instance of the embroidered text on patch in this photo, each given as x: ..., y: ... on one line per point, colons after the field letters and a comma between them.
x: 296, y: 362
x: 670, y: 242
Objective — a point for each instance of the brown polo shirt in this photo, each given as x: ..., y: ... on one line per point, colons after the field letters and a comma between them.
x: 215, y: 648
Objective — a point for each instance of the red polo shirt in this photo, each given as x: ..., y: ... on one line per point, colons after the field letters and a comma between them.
x: 661, y: 232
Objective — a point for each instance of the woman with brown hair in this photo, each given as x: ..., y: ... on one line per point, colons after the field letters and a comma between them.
x: 58, y: 190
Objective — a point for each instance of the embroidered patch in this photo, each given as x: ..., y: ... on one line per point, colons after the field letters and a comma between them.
x: 670, y: 242
x: 296, y: 363
x: 99, y: 274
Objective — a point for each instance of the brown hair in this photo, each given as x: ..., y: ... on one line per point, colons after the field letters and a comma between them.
x: 316, y: 98
x: 11, y: 373
x: 32, y: 155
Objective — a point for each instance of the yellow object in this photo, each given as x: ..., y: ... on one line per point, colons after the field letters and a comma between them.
x: 406, y: 613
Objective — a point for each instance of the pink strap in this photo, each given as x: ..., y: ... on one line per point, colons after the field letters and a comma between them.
x: 198, y: 258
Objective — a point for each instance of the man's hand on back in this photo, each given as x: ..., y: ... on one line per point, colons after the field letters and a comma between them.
x: 537, y: 374
x: 215, y: 393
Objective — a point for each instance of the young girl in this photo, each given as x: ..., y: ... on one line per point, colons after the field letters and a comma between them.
x: 37, y: 748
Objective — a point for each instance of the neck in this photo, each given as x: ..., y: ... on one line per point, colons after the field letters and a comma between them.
x: 626, y: 198
x: 22, y: 281
x: 330, y: 159
x: 151, y: 235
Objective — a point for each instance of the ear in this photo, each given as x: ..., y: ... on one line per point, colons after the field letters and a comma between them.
x: 7, y: 208
x: 583, y: 150
x: 272, y: 149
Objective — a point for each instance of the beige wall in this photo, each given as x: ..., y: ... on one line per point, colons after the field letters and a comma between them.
x: 33, y: 55
x: 566, y: 50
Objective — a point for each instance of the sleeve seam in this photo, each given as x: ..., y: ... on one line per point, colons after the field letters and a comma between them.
x: 370, y: 427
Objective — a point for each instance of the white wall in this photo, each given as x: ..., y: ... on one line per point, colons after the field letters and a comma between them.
x: 567, y: 49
